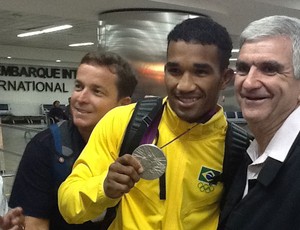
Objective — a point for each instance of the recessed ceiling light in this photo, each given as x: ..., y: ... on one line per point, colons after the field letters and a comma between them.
x: 235, y: 50
x: 82, y: 44
x: 9, y: 57
x: 28, y: 34
x: 57, y: 28
x: 44, y: 30
x: 193, y: 16
x: 58, y: 60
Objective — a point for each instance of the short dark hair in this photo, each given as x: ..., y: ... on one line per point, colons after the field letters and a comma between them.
x: 127, y: 79
x: 54, y: 102
x: 205, y: 31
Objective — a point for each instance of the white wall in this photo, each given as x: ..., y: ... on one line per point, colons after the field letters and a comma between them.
x: 26, y: 103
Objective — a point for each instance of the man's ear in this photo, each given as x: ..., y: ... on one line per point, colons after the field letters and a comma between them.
x: 228, y: 75
x: 125, y: 101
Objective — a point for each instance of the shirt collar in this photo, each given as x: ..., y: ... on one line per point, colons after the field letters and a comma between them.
x: 277, y: 148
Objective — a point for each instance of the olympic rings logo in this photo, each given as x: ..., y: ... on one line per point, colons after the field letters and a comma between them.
x: 203, y: 187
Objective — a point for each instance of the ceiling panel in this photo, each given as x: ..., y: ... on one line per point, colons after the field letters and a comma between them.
x: 18, y: 16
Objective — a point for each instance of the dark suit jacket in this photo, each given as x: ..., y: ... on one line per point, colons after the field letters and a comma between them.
x: 274, y: 201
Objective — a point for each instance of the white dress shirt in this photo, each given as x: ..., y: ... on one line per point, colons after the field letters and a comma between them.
x: 277, y: 149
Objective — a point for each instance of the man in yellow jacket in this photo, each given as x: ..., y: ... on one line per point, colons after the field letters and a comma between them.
x: 191, y: 121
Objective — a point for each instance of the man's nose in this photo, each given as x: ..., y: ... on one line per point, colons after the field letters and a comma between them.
x: 186, y: 82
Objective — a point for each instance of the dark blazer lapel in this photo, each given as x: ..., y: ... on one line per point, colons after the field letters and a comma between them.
x: 269, y: 171
x: 267, y: 175
x: 236, y: 191
x: 272, y: 166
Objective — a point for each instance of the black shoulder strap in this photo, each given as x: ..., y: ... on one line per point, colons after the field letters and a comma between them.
x: 237, y: 138
x: 236, y: 143
x: 142, y: 117
x: 144, y: 114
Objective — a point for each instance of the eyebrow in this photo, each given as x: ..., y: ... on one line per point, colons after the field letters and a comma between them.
x: 241, y: 63
x: 275, y: 64
x: 202, y: 66
x: 171, y: 64
x: 195, y: 65
x: 77, y: 81
x: 238, y: 62
x: 91, y: 85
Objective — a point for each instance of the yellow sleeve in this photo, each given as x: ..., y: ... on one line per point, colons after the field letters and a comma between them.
x: 81, y: 196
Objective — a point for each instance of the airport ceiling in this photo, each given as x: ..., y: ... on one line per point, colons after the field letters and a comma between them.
x: 17, y: 16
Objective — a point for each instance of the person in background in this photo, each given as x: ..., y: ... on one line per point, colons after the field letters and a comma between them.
x: 266, y: 190
x: 56, y: 113
x: 103, y: 81
x: 9, y: 219
x: 68, y: 111
x: 196, y: 71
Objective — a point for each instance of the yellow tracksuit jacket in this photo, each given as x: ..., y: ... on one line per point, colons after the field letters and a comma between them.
x: 191, y: 202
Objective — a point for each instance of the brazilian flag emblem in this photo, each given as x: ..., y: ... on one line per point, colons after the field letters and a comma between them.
x: 207, y: 175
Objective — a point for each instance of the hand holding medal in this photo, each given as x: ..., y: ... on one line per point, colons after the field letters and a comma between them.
x: 152, y: 159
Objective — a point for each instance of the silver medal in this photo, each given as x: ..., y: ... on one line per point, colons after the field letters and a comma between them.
x: 152, y: 159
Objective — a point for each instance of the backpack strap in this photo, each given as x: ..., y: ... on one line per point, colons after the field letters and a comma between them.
x: 56, y: 137
x: 62, y: 162
x: 141, y: 119
x: 144, y: 116
x: 236, y: 143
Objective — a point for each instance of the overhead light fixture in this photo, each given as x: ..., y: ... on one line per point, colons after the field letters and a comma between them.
x: 44, y: 31
x: 193, y: 16
x: 233, y: 59
x: 235, y: 50
x: 33, y: 33
x: 82, y: 44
